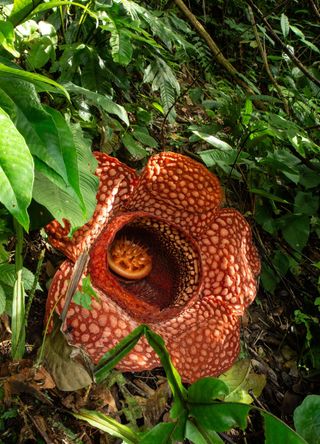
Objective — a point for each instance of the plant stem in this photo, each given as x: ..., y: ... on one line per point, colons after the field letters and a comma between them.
x: 18, y: 304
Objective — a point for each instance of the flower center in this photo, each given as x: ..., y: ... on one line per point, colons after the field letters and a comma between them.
x: 150, y: 268
x: 129, y: 259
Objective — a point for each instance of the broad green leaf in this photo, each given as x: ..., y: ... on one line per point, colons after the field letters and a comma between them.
x: 134, y: 148
x: 307, y: 419
x: 120, y: 42
x: 25, y: 9
x: 41, y: 51
x: 16, y: 171
x: 101, y: 101
x: 110, y: 359
x: 2, y: 300
x: 296, y: 230
x: 8, y: 276
x: 7, y: 37
x: 161, y: 434
x: 306, y: 203
x: 37, y: 79
x: 206, y: 390
x: 212, y: 140
x: 196, y: 436
x: 38, y: 128
x: 240, y: 379
x: 69, y: 153
x: 21, y: 9
x: 284, y: 21
x: 143, y: 136
x: 58, y: 201
x: 162, y: 78
x: 277, y: 431
x: 224, y: 159
x: 220, y: 416
x: 108, y: 425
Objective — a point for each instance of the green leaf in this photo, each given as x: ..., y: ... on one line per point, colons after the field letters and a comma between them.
x: 296, y: 230
x: 103, y: 102
x: 69, y: 154
x: 26, y: 9
x: 277, y: 431
x: 120, y: 42
x: 134, y: 148
x: 306, y: 203
x: 16, y: 171
x: 143, y: 136
x: 82, y: 299
x: 21, y: 9
x: 220, y: 417
x: 311, y: 45
x: 307, y: 419
x: 297, y: 31
x: 240, y: 379
x: 38, y: 128
x: 108, y: 425
x: 247, y: 113
x: 284, y: 21
x: 174, y: 379
x: 2, y: 300
x: 37, y: 79
x: 7, y: 37
x: 212, y: 140
x: 59, y: 202
x: 268, y: 195
x: 196, y: 436
x: 41, y: 51
x: 206, y: 390
x: 160, y: 434
x: 8, y: 276
x: 110, y: 359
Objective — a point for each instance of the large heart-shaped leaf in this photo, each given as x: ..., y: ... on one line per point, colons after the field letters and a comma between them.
x: 16, y: 171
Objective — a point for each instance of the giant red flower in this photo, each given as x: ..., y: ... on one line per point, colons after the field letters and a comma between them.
x: 162, y: 252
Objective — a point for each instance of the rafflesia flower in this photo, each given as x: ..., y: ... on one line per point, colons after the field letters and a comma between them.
x: 162, y: 252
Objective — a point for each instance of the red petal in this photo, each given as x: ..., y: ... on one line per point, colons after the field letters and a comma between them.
x: 101, y: 328
x: 116, y: 183
x: 231, y: 261
x: 203, y: 341
x: 179, y: 189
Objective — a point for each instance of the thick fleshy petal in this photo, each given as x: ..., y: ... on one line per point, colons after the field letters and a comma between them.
x: 101, y: 328
x: 179, y: 189
x: 231, y: 261
x: 116, y: 183
x: 202, y: 341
